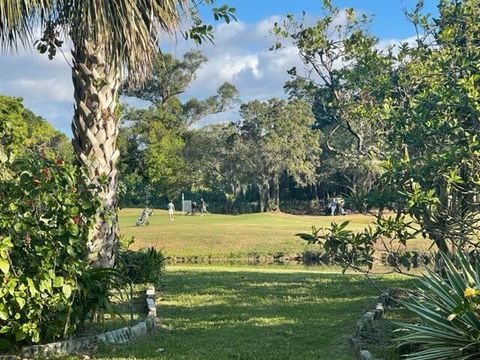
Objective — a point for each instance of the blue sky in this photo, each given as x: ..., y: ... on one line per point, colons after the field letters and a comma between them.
x: 388, y: 19
x: 240, y: 55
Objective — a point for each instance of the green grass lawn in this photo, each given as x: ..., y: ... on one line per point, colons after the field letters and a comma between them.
x: 248, y: 312
x: 217, y: 313
x: 231, y: 236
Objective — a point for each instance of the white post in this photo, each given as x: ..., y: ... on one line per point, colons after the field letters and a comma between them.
x: 183, y: 204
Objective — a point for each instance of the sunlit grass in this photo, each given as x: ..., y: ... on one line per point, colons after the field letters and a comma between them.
x: 228, y: 236
x: 255, y: 313
x: 248, y: 312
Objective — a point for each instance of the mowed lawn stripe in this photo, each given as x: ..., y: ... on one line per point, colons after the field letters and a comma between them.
x: 232, y: 235
x: 253, y: 313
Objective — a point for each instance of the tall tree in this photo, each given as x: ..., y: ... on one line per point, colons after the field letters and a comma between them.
x: 432, y: 152
x: 159, y: 133
x: 216, y: 166
x: 152, y: 142
x: 110, y: 40
x: 276, y: 137
x: 434, y: 118
x: 346, y: 79
x: 171, y: 77
x: 24, y: 129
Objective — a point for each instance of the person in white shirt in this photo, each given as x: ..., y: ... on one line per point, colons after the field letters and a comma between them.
x: 333, y: 206
x: 171, y: 210
x: 203, y: 207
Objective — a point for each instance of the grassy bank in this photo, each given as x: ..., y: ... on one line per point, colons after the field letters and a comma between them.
x: 229, y: 236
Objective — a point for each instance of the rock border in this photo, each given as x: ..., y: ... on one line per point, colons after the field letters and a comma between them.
x: 357, y: 344
x: 119, y: 336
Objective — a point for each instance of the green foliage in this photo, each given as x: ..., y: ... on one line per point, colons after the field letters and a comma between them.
x: 20, y: 128
x: 217, y: 170
x: 169, y: 77
x: 12, y: 127
x: 432, y: 167
x: 424, y: 104
x: 125, y: 241
x: 274, y: 138
x: 199, y: 31
x: 152, y: 141
x: 152, y: 162
x: 96, y: 287
x: 342, y: 245
x: 165, y: 164
x: 143, y: 266
x: 447, y: 304
x: 44, y: 228
x: 345, y: 81
x: 356, y: 250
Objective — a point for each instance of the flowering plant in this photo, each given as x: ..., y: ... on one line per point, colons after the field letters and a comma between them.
x: 448, y: 305
x: 44, y: 228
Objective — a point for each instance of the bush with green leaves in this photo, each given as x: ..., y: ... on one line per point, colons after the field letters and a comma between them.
x: 448, y: 305
x: 44, y: 229
x: 143, y: 266
x: 357, y: 250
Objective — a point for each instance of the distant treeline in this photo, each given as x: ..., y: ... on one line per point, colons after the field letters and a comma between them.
x: 274, y: 157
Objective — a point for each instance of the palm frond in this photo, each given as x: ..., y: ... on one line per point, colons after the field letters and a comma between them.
x: 19, y: 19
x: 128, y: 30
x: 449, y: 325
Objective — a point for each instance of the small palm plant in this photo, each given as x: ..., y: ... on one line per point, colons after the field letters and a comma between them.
x: 448, y: 305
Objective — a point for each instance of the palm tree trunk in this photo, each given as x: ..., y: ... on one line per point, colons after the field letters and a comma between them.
x: 95, y: 133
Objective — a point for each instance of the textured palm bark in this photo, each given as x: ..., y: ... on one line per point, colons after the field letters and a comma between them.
x: 95, y: 133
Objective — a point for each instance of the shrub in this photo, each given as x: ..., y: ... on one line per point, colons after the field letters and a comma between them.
x: 143, y: 266
x: 44, y: 228
x: 125, y: 241
x: 309, y: 257
x: 95, y: 287
x: 356, y: 250
x: 448, y: 305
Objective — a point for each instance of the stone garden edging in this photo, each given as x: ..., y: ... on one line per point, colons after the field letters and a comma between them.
x: 119, y: 336
x: 357, y: 344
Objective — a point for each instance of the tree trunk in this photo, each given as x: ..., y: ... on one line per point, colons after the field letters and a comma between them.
x: 95, y: 133
x: 261, y: 198
x: 276, y: 194
x: 267, y: 196
x: 264, y: 196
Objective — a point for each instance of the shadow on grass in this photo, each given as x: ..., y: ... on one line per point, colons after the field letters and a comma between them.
x: 254, y: 315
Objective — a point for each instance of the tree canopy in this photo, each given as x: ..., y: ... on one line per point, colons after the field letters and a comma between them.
x: 20, y: 128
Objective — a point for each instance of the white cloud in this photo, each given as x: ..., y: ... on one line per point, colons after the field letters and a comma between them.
x: 45, y: 85
x: 264, y: 27
x: 224, y: 32
x: 46, y: 89
x: 240, y: 55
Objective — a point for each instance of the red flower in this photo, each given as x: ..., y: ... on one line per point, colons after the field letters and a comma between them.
x: 60, y: 162
x: 76, y: 219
